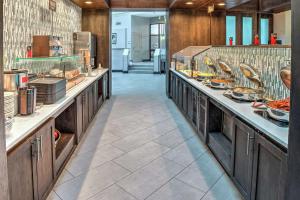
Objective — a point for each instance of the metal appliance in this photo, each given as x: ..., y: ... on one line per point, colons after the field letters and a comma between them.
x: 15, y: 79
x: 85, y: 43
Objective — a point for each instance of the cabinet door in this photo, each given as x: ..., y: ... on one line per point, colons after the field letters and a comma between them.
x: 171, y: 84
x: 105, y: 88
x: 190, y: 103
x: 21, y: 164
x: 202, y: 116
x: 45, y: 175
x: 95, y: 97
x: 195, y: 108
x: 85, y: 103
x: 269, y: 171
x: 243, y: 144
x: 79, y: 117
x: 180, y: 93
x: 185, y: 90
x: 91, y: 103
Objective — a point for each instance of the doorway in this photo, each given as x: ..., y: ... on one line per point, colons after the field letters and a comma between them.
x: 139, y: 41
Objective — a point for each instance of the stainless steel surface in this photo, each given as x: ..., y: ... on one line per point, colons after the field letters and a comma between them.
x: 85, y: 42
x: 251, y: 74
x: 247, y: 94
x: 211, y: 64
x: 226, y: 68
x: 15, y: 79
x: 278, y: 114
x: 285, y: 75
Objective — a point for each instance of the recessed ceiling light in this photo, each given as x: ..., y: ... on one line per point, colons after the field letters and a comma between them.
x: 221, y: 4
x: 88, y: 2
x: 189, y: 3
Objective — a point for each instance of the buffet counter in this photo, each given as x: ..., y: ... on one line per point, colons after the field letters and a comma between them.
x: 23, y: 126
x: 243, y: 111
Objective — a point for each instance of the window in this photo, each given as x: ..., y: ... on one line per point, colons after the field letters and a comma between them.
x: 247, y: 30
x: 230, y: 29
x: 264, y: 31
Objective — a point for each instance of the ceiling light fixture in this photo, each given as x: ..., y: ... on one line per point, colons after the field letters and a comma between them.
x: 88, y: 2
x: 189, y: 3
x: 221, y: 4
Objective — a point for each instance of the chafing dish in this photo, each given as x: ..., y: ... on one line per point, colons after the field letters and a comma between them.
x: 279, y: 110
x: 249, y: 94
x: 221, y: 82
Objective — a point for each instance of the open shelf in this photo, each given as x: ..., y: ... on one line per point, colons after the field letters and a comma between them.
x: 221, y: 147
x: 65, y: 140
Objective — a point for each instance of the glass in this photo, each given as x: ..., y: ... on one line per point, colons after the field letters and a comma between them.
x: 155, y: 29
x: 185, y: 61
x: 247, y: 30
x: 230, y: 29
x: 264, y: 31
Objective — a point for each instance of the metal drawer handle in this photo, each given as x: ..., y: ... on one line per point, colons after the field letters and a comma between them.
x: 41, y: 146
x: 248, y: 142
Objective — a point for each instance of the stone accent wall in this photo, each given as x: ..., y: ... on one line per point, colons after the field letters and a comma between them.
x: 25, y: 18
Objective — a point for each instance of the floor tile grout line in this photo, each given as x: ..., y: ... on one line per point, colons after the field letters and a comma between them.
x: 213, y: 185
x: 190, y: 185
x: 166, y: 182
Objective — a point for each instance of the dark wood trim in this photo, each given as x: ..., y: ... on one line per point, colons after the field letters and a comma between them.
x: 293, y: 191
x: 3, y: 159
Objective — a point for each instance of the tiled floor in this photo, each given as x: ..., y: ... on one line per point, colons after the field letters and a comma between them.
x: 139, y: 146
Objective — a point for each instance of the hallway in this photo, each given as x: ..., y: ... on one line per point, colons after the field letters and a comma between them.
x: 139, y: 146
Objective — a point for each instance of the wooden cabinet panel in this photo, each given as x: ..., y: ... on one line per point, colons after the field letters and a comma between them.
x: 21, y: 166
x: 79, y: 117
x: 91, y: 103
x: 95, y: 98
x: 243, y: 142
x: 269, y: 171
x: 202, y: 116
x: 85, y: 103
x: 186, y: 91
x: 45, y: 174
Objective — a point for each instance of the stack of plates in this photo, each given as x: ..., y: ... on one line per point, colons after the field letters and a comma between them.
x: 9, y: 104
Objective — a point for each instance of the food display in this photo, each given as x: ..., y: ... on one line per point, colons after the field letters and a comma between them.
x: 280, y: 104
x: 246, y: 93
x: 280, y: 109
x: 186, y: 64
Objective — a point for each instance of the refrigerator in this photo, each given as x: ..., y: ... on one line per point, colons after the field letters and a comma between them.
x: 85, y: 43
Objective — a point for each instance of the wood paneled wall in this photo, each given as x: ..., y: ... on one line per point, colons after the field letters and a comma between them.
x: 97, y: 22
x: 3, y: 160
x: 139, y: 3
x: 195, y: 28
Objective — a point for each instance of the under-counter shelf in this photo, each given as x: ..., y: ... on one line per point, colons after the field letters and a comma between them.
x: 219, y: 137
x: 221, y: 147
x: 61, y: 146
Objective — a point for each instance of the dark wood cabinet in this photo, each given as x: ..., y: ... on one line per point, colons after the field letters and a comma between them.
x: 269, y: 171
x: 194, y: 108
x: 202, y: 116
x: 21, y: 164
x: 243, y: 145
x: 85, y: 108
x: 91, y: 103
x: 30, y: 165
x: 45, y: 175
x: 185, y: 91
x: 79, y: 117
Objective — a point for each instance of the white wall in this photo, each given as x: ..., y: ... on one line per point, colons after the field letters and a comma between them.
x: 140, y: 38
x: 120, y: 22
x: 282, y: 26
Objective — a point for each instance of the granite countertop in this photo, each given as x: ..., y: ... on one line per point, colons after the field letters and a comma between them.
x: 244, y: 111
x: 23, y: 126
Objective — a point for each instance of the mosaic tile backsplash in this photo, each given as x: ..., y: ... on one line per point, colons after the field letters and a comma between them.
x: 267, y: 62
x: 25, y: 18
